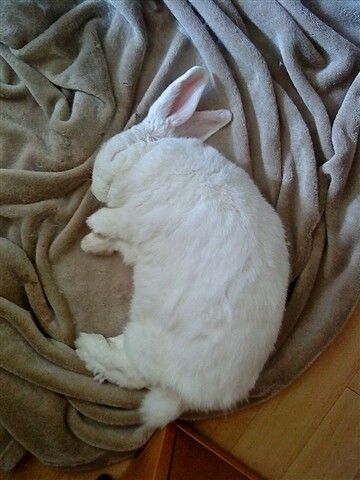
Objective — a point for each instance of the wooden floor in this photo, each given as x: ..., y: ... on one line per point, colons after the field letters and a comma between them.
x: 308, y: 432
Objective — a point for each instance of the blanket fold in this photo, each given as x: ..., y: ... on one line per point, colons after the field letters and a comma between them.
x: 74, y: 73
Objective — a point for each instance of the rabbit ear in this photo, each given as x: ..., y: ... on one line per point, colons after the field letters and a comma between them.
x: 204, y: 124
x: 179, y: 101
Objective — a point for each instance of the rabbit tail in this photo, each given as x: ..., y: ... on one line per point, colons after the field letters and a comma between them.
x: 160, y: 407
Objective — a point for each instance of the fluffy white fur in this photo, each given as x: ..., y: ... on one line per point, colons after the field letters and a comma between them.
x: 209, y: 256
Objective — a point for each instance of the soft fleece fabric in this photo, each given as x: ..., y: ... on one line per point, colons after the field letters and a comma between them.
x: 74, y: 73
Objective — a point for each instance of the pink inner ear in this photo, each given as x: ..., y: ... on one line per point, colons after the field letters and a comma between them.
x: 187, y: 89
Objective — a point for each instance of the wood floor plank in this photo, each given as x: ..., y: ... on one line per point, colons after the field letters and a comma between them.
x: 227, y: 430
x: 282, y: 427
x: 355, y: 383
x: 332, y: 453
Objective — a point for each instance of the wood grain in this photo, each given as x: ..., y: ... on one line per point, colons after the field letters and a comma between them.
x: 153, y: 462
x: 354, y: 384
x: 195, y: 458
x: 333, y: 450
x: 228, y: 429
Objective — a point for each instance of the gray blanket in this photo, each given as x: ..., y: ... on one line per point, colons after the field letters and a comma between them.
x: 74, y: 73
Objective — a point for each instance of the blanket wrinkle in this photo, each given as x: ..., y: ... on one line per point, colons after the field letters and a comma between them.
x: 76, y: 72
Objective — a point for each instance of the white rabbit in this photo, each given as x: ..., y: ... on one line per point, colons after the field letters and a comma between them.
x: 209, y: 255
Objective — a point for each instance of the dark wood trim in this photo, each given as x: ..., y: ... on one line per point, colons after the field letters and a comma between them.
x: 155, y: 461
x: 219, y: 452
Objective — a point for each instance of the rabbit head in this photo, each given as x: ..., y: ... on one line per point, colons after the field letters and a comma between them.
x: 172, y: 115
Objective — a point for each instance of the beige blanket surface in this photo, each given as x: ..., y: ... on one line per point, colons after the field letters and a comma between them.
x: 74, y: 73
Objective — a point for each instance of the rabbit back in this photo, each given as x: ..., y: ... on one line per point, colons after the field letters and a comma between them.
x: 211, y: 276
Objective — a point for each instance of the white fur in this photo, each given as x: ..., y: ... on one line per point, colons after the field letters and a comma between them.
x: 160, y: 407
x: 209, y: 256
